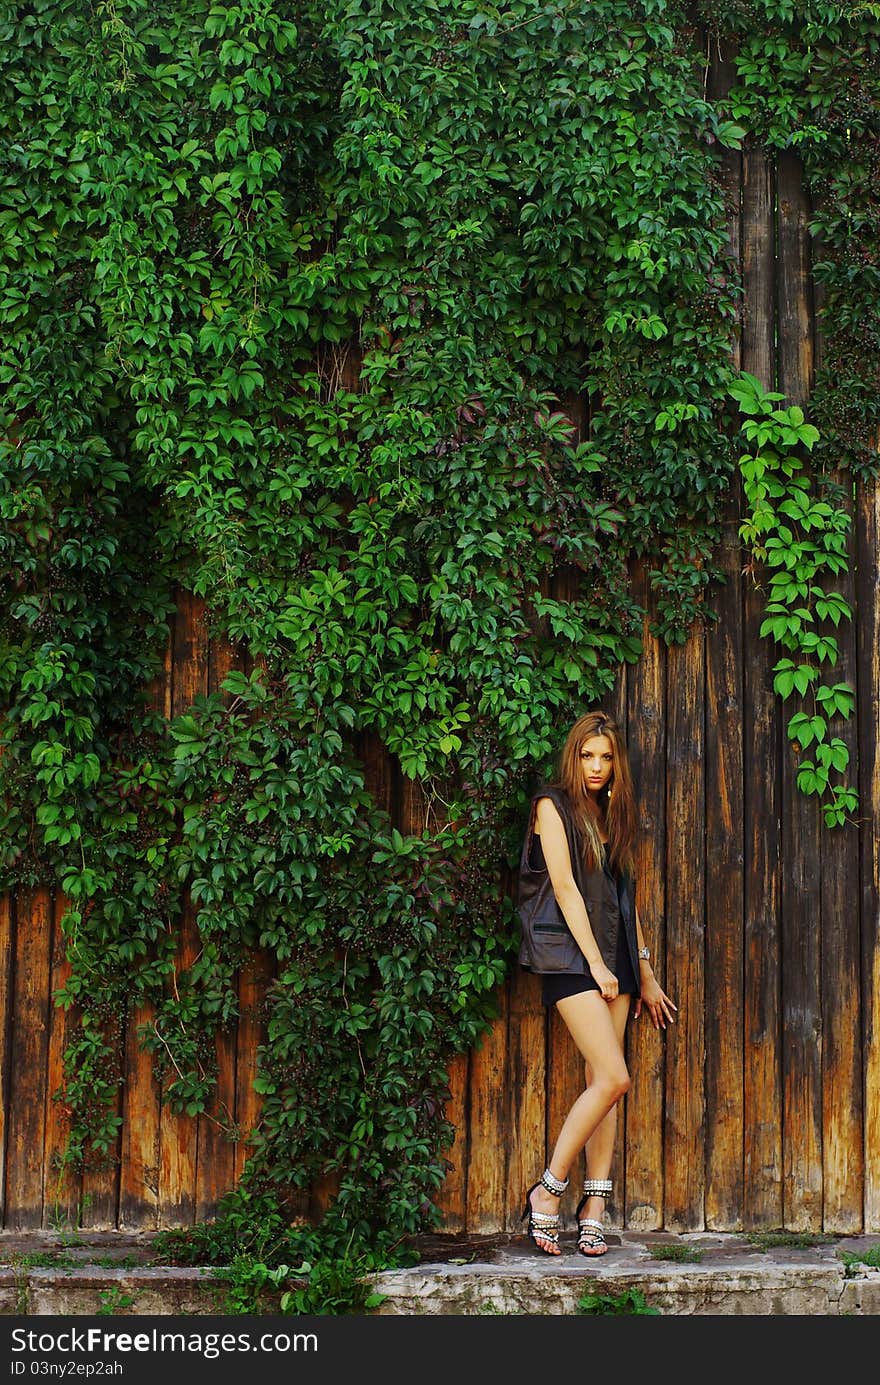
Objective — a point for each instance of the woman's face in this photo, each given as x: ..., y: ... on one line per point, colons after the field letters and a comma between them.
x: 597, y: 763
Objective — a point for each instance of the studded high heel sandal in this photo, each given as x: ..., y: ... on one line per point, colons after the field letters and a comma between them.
x: 591, y: 1237
x: 544, y: 1224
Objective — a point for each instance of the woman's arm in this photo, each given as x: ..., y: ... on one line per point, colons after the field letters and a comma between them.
x: 644, y: 962
x: 554, y: 844
x: 652, y: 994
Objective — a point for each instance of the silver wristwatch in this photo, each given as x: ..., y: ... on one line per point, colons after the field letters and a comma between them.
x: 645, y: 953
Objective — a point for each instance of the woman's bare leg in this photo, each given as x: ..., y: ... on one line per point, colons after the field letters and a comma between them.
x: 600, y: 1145
x: 596, y: 1028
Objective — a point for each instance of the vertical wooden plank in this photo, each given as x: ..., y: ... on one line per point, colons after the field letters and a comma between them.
x: 762, y: 1038
x: 801, y: 896
x: 488, y: 1192
x: 843, y: 1167
x: 222, y: 660
x: 757, y: 351
x: 6, y: 949
x: 322, y: 1194
x: 254, y: 977
x: 526, y: 1113
x: 868, y: 541
x: 685, y: 936
x: 141, y: 1100
x: 257, y: 971
x: 189, y: 653
x: 215, y: 1163
x: 724, y: 897
x: 178, y: 1138
x: 378, y: 769
x: 100, y: 1180
x: 412, y: 809
x: 451, y: 1199
x: 347, y: 362
x: 843, y: 1142
x: 139, y: 1152
x: 178, y: 1134
x: 645, y: 1048
x: 26, y: 1132
x: 62, y: 1192
x: 725, y: 848
x: 159, y: 691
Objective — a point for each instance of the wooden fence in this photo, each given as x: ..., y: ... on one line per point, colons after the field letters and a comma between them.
x: 761, y: 1106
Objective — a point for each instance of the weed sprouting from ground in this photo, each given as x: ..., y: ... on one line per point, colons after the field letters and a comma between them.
x: 800, y: 1240
x: 854, y: 1260
x: 681, y: 1254
x: 631, y: 1302
x: 39, y: 1260
x: 114, y: 1301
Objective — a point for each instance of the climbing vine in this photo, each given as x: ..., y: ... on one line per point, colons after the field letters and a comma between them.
x: 801, y: 540
x: 808, y: 79
x: 811, y: 81
x: 396, y: 331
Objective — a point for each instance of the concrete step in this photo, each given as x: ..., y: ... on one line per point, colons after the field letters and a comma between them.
x: 112, y: 1273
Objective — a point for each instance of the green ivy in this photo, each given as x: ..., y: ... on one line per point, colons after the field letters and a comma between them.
x: 800, y: 539
x: 809, y: 80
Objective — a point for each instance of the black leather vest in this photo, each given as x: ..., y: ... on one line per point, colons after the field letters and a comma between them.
x: 546, y: 943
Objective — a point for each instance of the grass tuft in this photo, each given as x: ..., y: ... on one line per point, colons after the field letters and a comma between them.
x: 801, y: 1240
x: 683, y: 1254
x: 39, y: 1260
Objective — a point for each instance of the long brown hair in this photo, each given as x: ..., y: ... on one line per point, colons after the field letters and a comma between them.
x: 615, y: 807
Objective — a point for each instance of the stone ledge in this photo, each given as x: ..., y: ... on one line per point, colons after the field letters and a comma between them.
x: 779, y: 1290
x: 490, y: 1275
x: 673, y: 1289
x: 129, y: 1292
x: 861, y: 1296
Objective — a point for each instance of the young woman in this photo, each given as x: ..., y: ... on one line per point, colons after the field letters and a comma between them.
x: 581, y: 931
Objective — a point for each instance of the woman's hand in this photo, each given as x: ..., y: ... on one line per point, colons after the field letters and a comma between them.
x: 653, y: 996
x: 605, y: 980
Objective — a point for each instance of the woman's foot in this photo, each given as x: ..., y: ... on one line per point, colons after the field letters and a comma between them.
x: 591, y: 1237
x: 542, y: 1210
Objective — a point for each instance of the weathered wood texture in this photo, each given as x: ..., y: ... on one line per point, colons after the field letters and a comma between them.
x: 646, y: 685
x: 801, y: 914
x: 762, y: 1051
x: 760, y: 1107
x: 725, y: 854
x: 28, y: 1069
x: 139, y: 1155
x: 866, y: 1004
x: 62, y: 1182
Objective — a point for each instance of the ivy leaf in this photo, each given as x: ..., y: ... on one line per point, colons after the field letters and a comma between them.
x: 731, y: 135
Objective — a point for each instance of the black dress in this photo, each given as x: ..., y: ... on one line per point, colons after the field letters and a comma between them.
x: 558, y: 985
